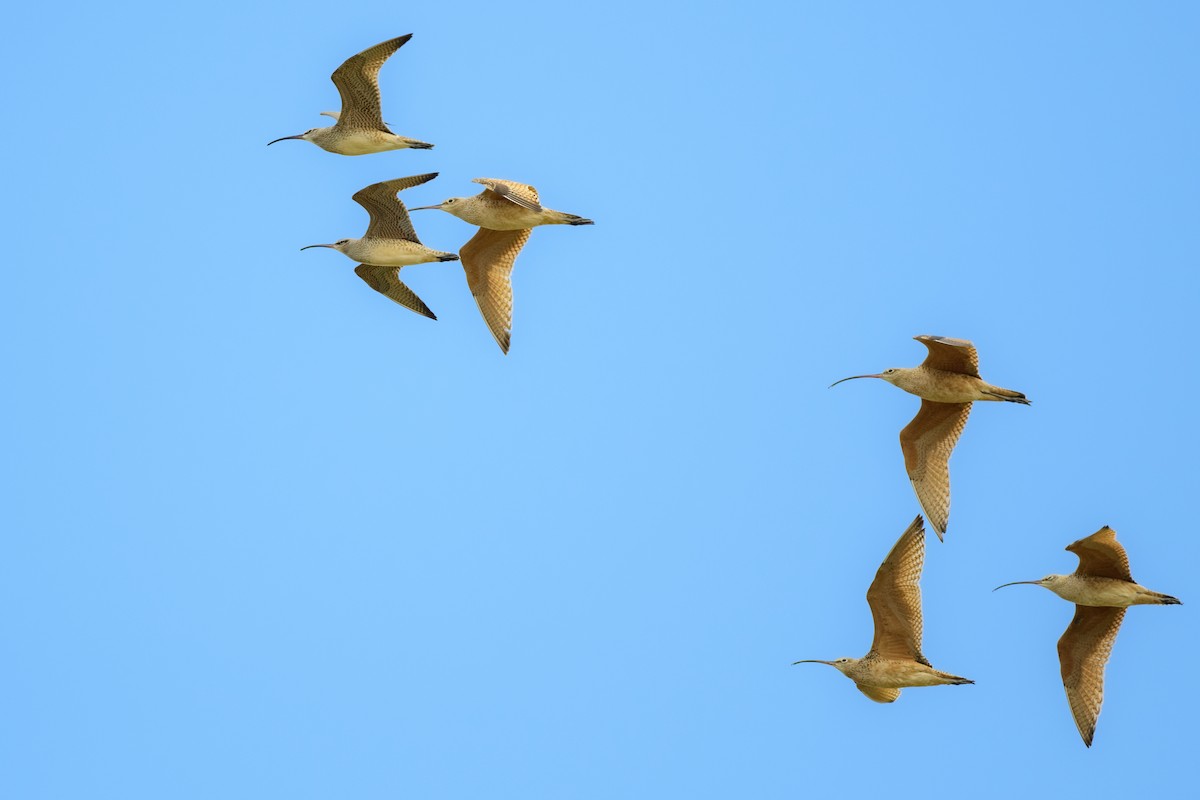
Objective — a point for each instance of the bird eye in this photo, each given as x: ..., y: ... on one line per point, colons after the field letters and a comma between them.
x: 890, y: 371
x: 451, y: 200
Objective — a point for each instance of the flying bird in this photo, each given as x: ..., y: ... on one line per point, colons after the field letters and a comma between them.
x: 359, y: 127
x: 947, y: 382
x: 1101, y: 589
x: 506, y: 212
x: 389, y: 243
x: 895, y: 660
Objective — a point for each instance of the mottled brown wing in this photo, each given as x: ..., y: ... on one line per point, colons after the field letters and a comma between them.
x: 488, y: 261
x: 927, y: 442
x: 386, y: 281
x: 950, y: 355
x: 879, y: 695
x: 389, y: 217
x: 1100, y: 555
x: 357, y: 81
x: 522, y: 194
x: 895, y: 597
x: 1082, y: 652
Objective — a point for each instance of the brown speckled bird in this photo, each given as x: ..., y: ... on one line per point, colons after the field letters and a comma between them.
x: 390, y: 242
x: 505, y: 212
x: 1101, y: 589
x: 895, y: 660
x: 359, y: 128
x: 947, y: 382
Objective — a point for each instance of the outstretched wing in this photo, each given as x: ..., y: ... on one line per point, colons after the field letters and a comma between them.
x: 522, y: 194
x: 357, y: 81
x: 895, y: 597
x: 1083, y: 651
x: 950, y: 355
x: 488, y: 260
x: 386, y: 281
x: 1101, y: 555
x: 879, y: 694
x: 927, y: 442
x: 389, y: 217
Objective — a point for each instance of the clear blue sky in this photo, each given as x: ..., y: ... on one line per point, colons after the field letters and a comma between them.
x: 267, y: 534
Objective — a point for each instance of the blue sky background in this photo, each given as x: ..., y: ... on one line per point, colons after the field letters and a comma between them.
x: 269, y: 535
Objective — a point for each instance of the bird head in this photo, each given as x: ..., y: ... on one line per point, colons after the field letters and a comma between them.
x: 339, y: 245
x: 306, y: 136
x: 451, y: 206
x: 840, y: 664
x: 892, y: 376
x: 1050, y: 581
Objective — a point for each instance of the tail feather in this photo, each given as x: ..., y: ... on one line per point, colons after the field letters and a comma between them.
x: 1007, y: 395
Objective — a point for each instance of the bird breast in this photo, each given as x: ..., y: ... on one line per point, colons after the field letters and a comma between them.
x: 887, y: 673
x: 940, y: 387
x: 1106, y: 592
x: 389, y: 252
x: 502, y: 216
x: 357, y: 141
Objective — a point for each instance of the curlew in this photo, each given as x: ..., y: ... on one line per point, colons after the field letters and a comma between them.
x: 359, y: 128
x: 947, y: 382
x: 1101, y: 589
x: 895, y: 660
x: 505, y: 212
x: 389, y: 243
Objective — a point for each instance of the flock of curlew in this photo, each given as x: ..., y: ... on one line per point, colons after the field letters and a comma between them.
x: 947, y: 382
x: 1102, y: 588
x: 505, y: 211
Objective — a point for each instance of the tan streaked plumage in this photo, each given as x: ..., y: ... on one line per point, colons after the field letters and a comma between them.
x: 948, y: 383
x: 389, y: 243
x: 1101, y: 588
x: 359, y: 128
x: 506, y: 212
x: 895, y: 659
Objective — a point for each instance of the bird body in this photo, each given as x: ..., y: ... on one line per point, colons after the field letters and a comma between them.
x: 505, y: 206
x: 506, y: 213
x: 389, y: 243
x: 942, y: 386
x: 358, y: 141
x: 879, y: 672
x: 895, y: 660
x: 388, y: 252
x: 1101, y: 588
x: 948, y: 383
x: 1092, y: 590
x: 359, y: 128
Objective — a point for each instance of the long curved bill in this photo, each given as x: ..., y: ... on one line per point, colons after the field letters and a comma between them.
x: 852, y: 377
x: 331, y: 247
x: 281, y: 138
x: 425, y: 208
x: 1014, y: 583
x: 812, y: 661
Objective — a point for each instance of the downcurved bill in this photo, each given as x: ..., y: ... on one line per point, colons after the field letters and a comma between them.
x: 281, y: 138
x: 852, y: 377
x: 331, y: 247
x: 812, y: 661
x: 426, y: 208
x: 1014, y: 583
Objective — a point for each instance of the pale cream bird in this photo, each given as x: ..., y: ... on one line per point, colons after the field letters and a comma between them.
x: 947, y: 382
x: 359, y: 128
x: 1101, y: 589
x: 895, y: 660
x: 389, y: 243
x: 506, y: 212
